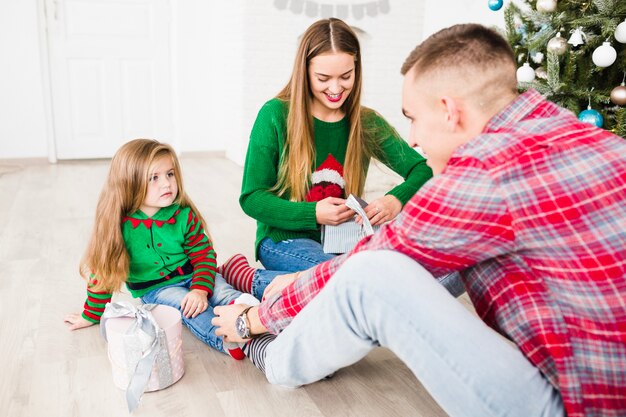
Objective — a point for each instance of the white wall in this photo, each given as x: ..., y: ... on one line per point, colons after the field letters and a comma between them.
x: 22, y: 120
x: 229, y: 58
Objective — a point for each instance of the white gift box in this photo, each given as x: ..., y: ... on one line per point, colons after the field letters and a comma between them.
x: 344, y: 237
x: 151, y: 333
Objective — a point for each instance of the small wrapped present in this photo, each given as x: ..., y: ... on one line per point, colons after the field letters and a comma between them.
x: 144, y: 347
x: 344, y: 237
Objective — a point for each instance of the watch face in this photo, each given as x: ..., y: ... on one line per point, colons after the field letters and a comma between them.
x: 240, y: 325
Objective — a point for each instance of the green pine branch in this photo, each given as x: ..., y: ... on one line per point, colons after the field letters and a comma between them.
x: 573, y: 80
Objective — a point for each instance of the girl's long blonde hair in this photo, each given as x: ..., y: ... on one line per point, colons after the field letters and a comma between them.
x: 105, y: 263
x: 296, y: 162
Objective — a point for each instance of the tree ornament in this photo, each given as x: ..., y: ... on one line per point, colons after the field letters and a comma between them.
x: 578, y: 37
x: 591, y: 116
x: 618, y: 95
x: 620, y: 32
x: 537, y: 57
x: 495, y: 5
x: 604, y: 55
x: 546, y: 6
x: 525, y: 73
x: 541, y: 72
x: 557, y: 45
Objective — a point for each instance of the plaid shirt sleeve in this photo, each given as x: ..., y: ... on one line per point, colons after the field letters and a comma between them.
x: 456, y: 220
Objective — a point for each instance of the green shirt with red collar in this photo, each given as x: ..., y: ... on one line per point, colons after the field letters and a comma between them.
x: 158, y: 248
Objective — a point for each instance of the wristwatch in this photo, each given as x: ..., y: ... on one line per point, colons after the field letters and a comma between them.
x: 242, y: 324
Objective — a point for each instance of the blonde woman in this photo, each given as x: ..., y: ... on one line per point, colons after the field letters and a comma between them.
x: 150, y: 236
x: 310, y: 148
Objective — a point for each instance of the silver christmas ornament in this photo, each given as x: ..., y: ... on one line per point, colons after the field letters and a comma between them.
x: 541, y: 72
x: 546, y: 6
x: 557, y: 45
x: 618, y: 95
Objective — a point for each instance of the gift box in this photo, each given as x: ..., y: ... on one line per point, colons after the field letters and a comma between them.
x: 144, y: 347
x: 343, y: 238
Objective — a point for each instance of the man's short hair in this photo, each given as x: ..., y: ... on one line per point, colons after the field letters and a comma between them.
x: 467, y: 47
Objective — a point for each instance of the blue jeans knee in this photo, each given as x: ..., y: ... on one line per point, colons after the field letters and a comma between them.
x: 291, y: 255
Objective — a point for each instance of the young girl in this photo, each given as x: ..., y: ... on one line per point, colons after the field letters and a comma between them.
x: 149, y: 235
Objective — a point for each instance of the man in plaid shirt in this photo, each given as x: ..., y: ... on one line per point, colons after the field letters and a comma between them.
x: 528, y: 204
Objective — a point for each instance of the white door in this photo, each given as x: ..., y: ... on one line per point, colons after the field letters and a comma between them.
x: 110, y: 74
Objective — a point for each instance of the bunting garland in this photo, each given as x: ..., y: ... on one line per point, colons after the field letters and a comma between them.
x: 342, y: 11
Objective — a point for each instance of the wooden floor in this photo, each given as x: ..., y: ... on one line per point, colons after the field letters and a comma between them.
x: 46, y: 213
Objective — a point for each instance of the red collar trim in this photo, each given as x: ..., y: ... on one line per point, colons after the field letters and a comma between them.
x: 148, y: 222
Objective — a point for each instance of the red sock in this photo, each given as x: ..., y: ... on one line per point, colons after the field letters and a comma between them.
x: 238, y: 273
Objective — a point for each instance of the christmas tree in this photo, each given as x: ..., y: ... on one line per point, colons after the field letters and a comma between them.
x: 574, y: 53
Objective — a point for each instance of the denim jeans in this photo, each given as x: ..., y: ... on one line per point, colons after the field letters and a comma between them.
x: 301, y: 254
x: 200, y: 326
x: 291, y: 255
x: 262, y: 278
x: 467, y: 367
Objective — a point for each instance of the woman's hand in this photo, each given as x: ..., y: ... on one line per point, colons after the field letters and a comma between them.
x: 77, y: 321
x: 332, y: 211
x: 194, y: 303
x: 382, y: 210
x: 279, y: 283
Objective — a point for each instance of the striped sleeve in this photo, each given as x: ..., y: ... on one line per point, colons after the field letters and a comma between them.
x: 95, y: 303
x: 201, y: 254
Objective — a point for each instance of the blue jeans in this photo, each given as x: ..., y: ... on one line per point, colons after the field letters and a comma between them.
x: 200, y: 326
x: 262, y: 278
x: 285, y: 257
x: 468, y: 368
x: 291, y: 255
x: 294, y: 255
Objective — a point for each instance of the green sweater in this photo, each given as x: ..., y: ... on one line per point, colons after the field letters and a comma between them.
x: 157, y: 246
x: 280, y: 219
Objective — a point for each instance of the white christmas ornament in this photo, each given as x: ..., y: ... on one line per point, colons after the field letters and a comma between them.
x: 546, y: 6
x: 578, y: 37
x: 620, y: 32
x: 537, y: 57
x: 604, y: 55
x: 525, y: 73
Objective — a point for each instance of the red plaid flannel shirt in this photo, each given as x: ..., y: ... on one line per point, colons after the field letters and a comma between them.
x: 533, y: 213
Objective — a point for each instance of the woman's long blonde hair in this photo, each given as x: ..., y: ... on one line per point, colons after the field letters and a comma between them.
x: 105, y: 263
x: 296, y: 162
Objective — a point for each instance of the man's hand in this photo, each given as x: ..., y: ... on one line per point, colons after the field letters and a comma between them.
x: 225, y: 317
x: 279, y: 283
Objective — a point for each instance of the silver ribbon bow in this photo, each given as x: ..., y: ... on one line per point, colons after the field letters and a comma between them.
x: 359, y: 205
x: 144, y: 344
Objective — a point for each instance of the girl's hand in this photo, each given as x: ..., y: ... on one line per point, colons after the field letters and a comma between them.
x: 77, y: 321
x: 382, y: 210
x: 279, y: 283
x: 194, y: 303
x: 332, y: 211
